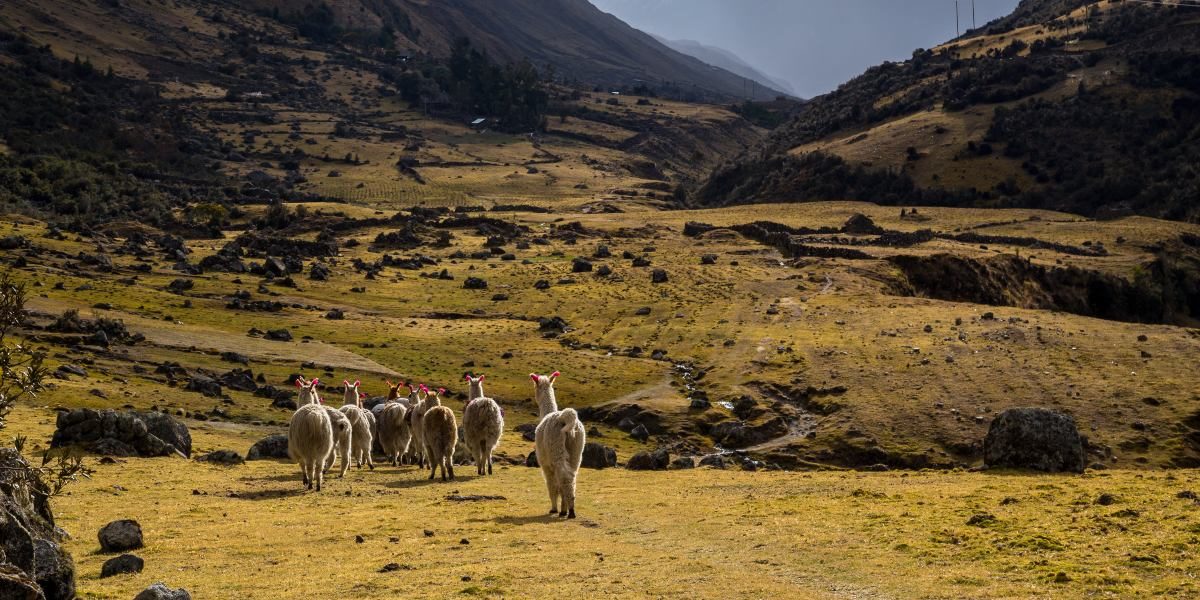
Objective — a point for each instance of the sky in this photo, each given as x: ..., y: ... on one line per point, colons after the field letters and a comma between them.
x: 815, y: 45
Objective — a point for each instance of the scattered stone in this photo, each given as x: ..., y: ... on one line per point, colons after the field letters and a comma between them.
x: 318, y: 272
x: 541, y: 284
x: 684, y: 462
x: 657, y: 460
x: 982, y: 520
x: 716, y: 461
x: 272, y: 446
x: 120, y: 565
x: 159, y: 591
x: 531, y: 459
x: 581, y: 265
x: 640, y: 433
x: 643, y: 311
x: 708, y: 259
x: 119, y: 536
x: 597, y: 456
x: 1106, y: 499
x: 335, y: 314
x: 222, y: 457
x: 204, y: 385
x: 658, y: 276
x: 278, y: 335
x: 234, y: 357
x: 474, y: 283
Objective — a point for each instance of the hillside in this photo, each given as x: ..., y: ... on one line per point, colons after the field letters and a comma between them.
x: 582, y: 43
x: 1088, y: 108
x: 720, y: 57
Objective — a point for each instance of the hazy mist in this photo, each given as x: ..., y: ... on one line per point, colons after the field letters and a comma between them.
x: 814, y: 44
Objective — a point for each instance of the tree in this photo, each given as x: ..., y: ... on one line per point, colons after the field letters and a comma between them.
x: 22, y: 375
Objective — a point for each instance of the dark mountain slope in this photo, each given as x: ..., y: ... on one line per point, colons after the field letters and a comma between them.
x: 582, y: 43
x: 1095, y: 112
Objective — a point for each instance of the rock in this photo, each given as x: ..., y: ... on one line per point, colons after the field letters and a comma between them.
x: 120, y: 565
x: 29, y: 539
x: 602, y: 251
x: 684, y: 462
x: 641, y: 261
x: 643, y: 311
x: 234, y: 357
x: 272, y: 446
x: 179, y: 286
x: 335, y: 314
x: 716, y: 461
x: 474, y: 283
x: 526, y: 430
x: 657, y: 460
x: 708, y: 259
x: 14, y: 583
x: 531, y: 460
x: 146, y: 433
x: 541, y: 284
x: 318, y: 272
x: 658, y: 276
x: 72, y: 370
x: 604, y: 271
x: 1106, y: 499
x: 278, y: 335
x: 119, y: 536
x: 552, y: 325
x: 222, y: 457
x: 860, y: 224
x: 159, y: 591
x: 581, y: 265
x: 700, y: 404
x: 640, y: 433
x: 1034, y: 438
x: 204, y: 385
x: 597, y: 456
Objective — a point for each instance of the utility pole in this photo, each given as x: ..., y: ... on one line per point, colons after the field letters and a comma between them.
x: 973, y: 25
x: 957, y: 30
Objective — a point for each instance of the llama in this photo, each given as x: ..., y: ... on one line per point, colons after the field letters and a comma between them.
x: 395, y: 434
x: 360, y: 444
x: 310, y: 440
x: 343, y: 439
x: 417, y: 416
x: 558, y: 441
x: 308, y: 392
x: 440, y: 436
x: 483, y: 422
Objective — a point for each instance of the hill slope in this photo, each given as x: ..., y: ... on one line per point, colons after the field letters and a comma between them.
x: 1092, y: 110
x: 720, y: 57
x: 581, y: 42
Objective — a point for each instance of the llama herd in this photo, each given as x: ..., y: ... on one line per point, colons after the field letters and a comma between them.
x: 417, y: 429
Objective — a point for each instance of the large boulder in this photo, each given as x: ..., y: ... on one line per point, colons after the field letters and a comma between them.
x: 597, y: 456
x: 120, y: 565
x: 119, y: 536
x: 657, y: 460
x: 1034, y: 438
x: 33, y: 563
x: 272, y: 446
x: 146, y: 433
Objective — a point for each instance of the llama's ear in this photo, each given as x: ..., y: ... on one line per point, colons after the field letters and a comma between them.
x: 388, y: 382
x: 467, y: 376
x: 554, y: 376
x: 441, y: 391
x: 356, y: 383
x: 534, y: 377
x: 299, y: 383
x: 314, y: 382
x: 345, y: 383
x: 481, y: 377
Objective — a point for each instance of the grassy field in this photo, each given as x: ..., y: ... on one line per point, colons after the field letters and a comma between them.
x: 250, y: 532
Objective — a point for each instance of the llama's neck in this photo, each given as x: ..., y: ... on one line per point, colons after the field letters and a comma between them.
x: 546, y: 402
x: 393, y: 393
x: 433, y: 401
x: 350, y: 398
x: 476, y: 391
x: 307, y: 397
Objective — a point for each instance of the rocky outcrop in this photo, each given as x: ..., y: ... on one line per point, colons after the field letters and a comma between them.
x: 1034, y: 438
x: 33, y: 563
x: 122, y: 433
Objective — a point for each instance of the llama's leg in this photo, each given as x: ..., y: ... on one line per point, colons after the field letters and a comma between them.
x: 568, y: 491
x: 303, y: 473
x: 552, y: 488
x: 450, y: 464
x: 432, y: 470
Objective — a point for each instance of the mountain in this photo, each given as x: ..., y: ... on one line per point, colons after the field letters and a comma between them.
x: 1091, y: 108
x: 720, y: 57
x: 582, y: 43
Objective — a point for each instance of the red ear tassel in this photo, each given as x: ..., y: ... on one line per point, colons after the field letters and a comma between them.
x: 481, y: 377
x: 315, y: 382
x: 555, y: 374
x: 356, y: 383
x: 467, y: 377
x: 534, y: 377
x: 441, y: 391
x: 299, y: 383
